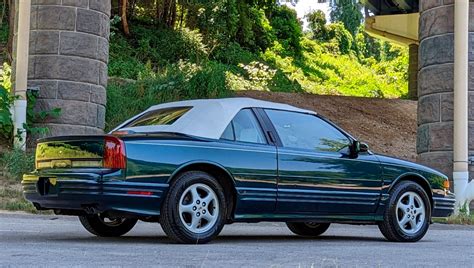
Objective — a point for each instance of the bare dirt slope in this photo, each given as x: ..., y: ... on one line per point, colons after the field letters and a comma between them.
x: 387, y: 125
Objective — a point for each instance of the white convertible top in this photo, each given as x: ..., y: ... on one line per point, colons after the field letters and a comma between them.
x: 208, y: 118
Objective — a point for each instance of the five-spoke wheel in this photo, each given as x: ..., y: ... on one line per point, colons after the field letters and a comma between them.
x: 410, y: 212
x: 198, y: 208
x: 407, y: 214
x: 194, y: 210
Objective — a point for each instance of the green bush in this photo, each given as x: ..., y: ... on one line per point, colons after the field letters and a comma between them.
x: 158, y: 48
x: 174, y: 82
x: 337, y: 34
x: 6, y: 123
x: 167, y: 46
x: 16, y: 163
x: 287, y: 28
x: 233, y: 54
x: 167, y: 70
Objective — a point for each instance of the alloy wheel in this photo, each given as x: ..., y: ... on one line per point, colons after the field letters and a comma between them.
x: 410, y: 212
x: 198, y: 208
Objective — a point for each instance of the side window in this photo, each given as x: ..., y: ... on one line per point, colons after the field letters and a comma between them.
x: 305, y: 131
x: 229, y: 133
x: 245, y: 128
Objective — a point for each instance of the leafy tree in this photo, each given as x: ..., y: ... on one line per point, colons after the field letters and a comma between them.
x: 287, y: 28
x: 317, y: 23
x: 337, y: 34
x: 348, y: 12
x: 368, y: 46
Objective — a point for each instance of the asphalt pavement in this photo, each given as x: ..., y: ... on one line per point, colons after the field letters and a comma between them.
x: 52, y: 241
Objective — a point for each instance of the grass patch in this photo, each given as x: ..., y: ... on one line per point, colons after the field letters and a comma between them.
x: 462, y: 219
x: 11, y: 197
x: 16, y: 163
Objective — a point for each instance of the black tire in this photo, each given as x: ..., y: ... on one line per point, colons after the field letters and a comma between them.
x: 308, y: 229
x: 390, y: 227
x: 171, y: 221
x: 98, y: 226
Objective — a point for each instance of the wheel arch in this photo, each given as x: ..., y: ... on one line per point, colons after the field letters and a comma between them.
x: 417, y: 178
x: 222, y: 175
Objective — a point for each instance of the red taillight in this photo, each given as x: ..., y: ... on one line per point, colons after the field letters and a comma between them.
x: 114, y: 153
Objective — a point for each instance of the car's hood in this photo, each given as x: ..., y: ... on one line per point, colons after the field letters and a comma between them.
x: 399, y: 162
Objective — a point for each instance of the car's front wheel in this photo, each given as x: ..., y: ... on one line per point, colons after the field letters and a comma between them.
x: 309, y: 229
x: 194, y: 210
x: 107, y: 227
x: 408, y: 213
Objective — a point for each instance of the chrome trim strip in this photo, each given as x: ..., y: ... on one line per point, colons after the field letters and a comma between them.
x: 203, y: 147
x: 327, y: 192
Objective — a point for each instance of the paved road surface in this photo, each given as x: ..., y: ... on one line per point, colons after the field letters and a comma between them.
x: 28, y: 240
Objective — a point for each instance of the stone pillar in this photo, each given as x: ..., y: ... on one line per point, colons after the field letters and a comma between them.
x: 413, y: 72
x: 436, y: 83
x: 69, y: 50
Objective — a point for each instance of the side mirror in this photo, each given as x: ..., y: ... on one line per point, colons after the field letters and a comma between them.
x: 359, y: 147
x: 363, y: 147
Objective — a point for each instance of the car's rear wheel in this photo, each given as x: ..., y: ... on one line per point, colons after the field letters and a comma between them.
x: 194, y: 210
x: 408, y: 213
x: 309, y: 229
x: 107, y: 227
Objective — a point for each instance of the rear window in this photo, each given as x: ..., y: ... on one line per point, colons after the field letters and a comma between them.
x: 159, y: 117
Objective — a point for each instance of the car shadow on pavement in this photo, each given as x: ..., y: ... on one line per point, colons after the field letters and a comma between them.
x: 223, y: 239
x: 292, y: 238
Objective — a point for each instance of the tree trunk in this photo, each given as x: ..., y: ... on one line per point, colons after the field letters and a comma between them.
x: 172, y: 21
x: 159, y: 11
x: 11, y: 33
x: 181, y: 17
x: 166, y: 7
x: 4, y: 9
x: 125, y: 27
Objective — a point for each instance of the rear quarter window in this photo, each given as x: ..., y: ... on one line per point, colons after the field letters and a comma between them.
x: 166, y: 116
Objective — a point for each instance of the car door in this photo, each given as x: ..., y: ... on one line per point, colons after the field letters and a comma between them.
x: 252, y: 159
x: 317, y: 171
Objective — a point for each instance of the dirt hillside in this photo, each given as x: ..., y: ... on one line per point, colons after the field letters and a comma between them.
x: 387, y: 125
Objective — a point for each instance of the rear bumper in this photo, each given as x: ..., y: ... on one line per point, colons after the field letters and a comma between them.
x: 443, y: 206
x: 143, y: 199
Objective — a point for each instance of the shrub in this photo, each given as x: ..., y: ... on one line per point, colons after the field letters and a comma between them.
x: 16, y: 163
x: 336, y: 33
x: 174, y: 82
x: 233, y: 54
x: 287, y: 28
x: 128, y: 57
x: 6, y: 123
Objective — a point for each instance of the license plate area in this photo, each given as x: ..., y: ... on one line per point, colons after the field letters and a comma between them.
x: 47, y: 186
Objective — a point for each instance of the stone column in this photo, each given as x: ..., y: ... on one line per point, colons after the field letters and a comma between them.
x: 68, y: 62
x: 436, y: 83
x: 413, y: 72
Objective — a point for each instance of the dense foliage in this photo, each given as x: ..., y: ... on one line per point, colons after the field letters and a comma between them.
x: 15, y: 163
x: 211, y: 48
x: 348, y: 12
x: 6, y: 103
x: 175, y: 49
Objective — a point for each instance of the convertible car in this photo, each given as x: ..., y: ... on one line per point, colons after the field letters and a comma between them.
x: 196, y: 165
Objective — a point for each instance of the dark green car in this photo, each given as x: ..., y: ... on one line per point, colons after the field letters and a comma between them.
x: 194, y: 166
